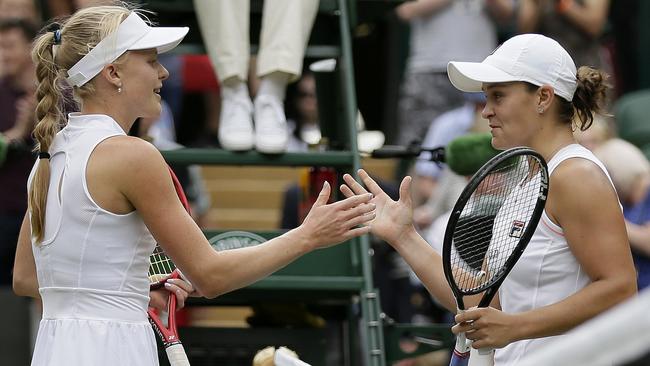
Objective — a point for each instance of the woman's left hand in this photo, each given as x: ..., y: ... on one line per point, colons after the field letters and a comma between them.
x: 487, y: 327
x: 179, y: 287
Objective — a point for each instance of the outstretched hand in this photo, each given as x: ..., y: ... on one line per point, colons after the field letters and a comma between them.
x: 393, y: 218
x: 328, y: 224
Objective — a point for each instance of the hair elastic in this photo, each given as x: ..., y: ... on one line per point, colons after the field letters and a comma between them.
x: 43, y: 155
x: 57, y: 37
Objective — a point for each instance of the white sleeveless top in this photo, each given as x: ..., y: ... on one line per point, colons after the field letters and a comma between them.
x: 92, y: 264
x: 546, y: 273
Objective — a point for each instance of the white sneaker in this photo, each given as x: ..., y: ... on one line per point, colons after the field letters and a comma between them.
x: 235, y: 122
x: 271, y: 136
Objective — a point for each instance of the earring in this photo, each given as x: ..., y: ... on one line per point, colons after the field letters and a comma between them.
x: 540, y: 110
x: 119, y: 88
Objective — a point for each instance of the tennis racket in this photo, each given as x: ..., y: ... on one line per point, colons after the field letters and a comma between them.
x: 161, y: 269
x: 488, y: 230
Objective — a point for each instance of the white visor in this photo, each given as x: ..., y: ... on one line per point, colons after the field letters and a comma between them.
x: 132, y: 34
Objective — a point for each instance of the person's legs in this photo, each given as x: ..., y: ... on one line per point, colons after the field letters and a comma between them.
x: 286, y: 26
x: 225, y: 29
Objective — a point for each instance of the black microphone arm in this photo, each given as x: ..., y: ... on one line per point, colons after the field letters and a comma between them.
x: 397, y: 151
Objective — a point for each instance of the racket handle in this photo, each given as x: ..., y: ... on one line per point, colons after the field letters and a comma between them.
x: 176, y: 355
x: 461, y: 353
x: 481, y: 357
x: 457, y: 360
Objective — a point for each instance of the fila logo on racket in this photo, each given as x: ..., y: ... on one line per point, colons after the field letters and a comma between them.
x: 517, y: 229
x: 544, y: 184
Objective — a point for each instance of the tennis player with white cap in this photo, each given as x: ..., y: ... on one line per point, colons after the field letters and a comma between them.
x: 99, y: 200
x: 578, y: 262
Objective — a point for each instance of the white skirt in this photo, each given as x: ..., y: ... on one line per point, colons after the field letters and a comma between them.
x: 81, y: 342
x: 83, y: 327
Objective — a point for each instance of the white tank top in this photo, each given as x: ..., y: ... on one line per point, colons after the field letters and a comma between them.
x: 546, y: 273
x: 86, y: 249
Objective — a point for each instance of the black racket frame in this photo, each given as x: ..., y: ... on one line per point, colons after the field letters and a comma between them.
x: 491, y: 166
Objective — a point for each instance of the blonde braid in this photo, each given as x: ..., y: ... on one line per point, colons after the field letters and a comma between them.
x: 49, y: 117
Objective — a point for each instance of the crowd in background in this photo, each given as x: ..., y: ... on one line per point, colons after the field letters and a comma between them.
x: 281, y: 98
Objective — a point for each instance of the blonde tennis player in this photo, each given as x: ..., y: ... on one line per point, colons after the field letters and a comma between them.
x: 99, y: 200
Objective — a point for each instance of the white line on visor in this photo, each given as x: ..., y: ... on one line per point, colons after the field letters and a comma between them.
x: 132, y: 34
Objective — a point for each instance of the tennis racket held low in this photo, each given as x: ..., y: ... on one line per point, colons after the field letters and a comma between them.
x: 489, y: 227
x: 169, y: 334
x: 162, y: 269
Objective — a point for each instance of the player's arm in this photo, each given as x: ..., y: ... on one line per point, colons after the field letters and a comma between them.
x: 419, y: 8
x: 590, y: 16
x: 143, y: 178
x: 25, y: 282
x: 501, y: 10
x: 427, y: 265
x: 584, y: 204
x: 528, y: 16
x: 639, y: 236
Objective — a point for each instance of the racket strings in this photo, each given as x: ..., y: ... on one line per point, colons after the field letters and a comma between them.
x: 492, y: 222
x: 160, y: 265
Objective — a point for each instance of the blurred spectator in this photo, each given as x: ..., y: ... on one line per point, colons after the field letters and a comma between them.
x: 58, y: 8
x: 630, y: 172
x: 575, y: 24
x: 286, y: 26
x: 302, y: 114
x: 20, y: 9
x: 17, y: 104
x: 441, y: 31
x: 596, y: 135
x: 435, y: 188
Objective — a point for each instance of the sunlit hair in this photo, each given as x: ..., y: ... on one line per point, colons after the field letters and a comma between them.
x: 79, y: 34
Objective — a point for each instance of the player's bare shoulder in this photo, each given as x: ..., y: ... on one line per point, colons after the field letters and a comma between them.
x: 579, y: 187
x: 126, y: 159
x: 126, y: 149
x: 127, y: 152
x: 579, y: 174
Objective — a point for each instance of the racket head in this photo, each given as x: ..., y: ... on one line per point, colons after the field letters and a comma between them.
x: 493, y: 221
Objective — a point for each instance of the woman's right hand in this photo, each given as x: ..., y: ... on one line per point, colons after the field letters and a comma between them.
x: 393, y: 218
x: 329, y: 224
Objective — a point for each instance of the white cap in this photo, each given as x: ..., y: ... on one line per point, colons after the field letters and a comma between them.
x: 533, y: 58
x: 132, y: 34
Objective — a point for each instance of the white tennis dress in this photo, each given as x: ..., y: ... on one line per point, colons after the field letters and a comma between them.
x: 92, y: 265
x: 546, y: 273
